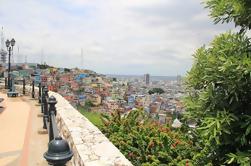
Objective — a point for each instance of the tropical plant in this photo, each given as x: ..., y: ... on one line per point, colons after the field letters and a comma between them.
x: 219, y: 100
x: 219, y: 89
x: 236, y: 11
x: 145, y: 142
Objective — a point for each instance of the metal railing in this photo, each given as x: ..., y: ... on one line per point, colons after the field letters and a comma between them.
x: 59, y: 152
x: 24, y: 83
x: 33, y: 89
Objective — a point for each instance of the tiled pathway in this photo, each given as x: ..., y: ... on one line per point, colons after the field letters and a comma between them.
x: 20, y: 143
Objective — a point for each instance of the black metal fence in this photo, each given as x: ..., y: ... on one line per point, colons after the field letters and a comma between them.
x: 59, y: 152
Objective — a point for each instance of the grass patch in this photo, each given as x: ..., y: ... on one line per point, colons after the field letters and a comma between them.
x: 93, y: 117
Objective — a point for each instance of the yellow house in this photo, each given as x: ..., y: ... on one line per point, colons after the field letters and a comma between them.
x: 94, y: 85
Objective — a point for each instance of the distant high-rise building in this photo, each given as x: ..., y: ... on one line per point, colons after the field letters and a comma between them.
x: 147, y: 79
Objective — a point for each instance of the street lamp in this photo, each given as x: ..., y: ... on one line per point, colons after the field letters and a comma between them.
x: 9, y: 45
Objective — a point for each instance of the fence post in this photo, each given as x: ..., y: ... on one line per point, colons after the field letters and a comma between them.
x: 45, y: 107
x: 33, y: 89
x: 52, y: 112
x: 39, y: 93
x: 5, y: 83
x: 24, y: 86
x: 42, y: 100
x: 59, y: 152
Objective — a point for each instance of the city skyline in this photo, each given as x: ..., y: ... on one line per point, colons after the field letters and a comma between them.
x: 117, y: 37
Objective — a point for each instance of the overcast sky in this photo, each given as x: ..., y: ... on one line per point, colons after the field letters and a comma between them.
x: 117, y: 36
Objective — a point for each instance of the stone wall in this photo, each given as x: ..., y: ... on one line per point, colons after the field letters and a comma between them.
x: 90, y: 146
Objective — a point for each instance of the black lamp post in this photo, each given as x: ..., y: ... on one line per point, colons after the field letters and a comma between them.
x: 9, y: 45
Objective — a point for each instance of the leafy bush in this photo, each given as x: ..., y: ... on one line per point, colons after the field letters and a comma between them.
x: 145, y: 142
x: 219, y: 87
x: 156, y: 90
x: 237, y: 11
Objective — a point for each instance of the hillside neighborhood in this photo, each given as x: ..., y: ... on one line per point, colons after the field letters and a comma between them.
x: 100, y: 93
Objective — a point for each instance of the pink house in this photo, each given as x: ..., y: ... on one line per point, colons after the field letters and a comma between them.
x: 66, y: 78
x: 69, y: 98
x: 74, y: 85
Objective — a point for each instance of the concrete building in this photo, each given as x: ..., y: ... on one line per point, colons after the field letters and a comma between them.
x: 147, y: 79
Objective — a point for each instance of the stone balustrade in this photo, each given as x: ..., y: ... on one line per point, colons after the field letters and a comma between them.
x: 89, y: 145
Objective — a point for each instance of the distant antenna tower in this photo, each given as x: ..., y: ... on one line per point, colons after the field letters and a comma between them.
x: 42, y: 56
x: 82, y: 59
x: 3, y: 53
x: 19, y: 58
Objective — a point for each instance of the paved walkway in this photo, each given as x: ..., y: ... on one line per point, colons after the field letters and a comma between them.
x: 19, y: 125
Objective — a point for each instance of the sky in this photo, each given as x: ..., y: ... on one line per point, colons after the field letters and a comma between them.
x: 116, y: 36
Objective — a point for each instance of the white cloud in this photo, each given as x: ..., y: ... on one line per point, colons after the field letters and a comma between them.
x: 118, y: 36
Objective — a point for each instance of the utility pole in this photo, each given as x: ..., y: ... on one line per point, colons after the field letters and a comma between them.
x: 19, y: 58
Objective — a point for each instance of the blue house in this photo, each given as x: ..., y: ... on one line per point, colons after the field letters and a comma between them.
x: 79, y: 77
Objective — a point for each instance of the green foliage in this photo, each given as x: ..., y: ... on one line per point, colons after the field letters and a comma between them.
x: 81, y: 90
x: 88, y: 104
x: 93, y: 117
x: 145, y: 142
x: 219, y: 88
x: 156, y: 90
x: 239, y: 158
x: 67, y: 70
x: 237, y: 11
x: 218, y: 99
x: 43, y: 66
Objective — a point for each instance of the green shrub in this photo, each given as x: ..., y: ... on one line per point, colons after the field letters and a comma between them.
x: 145, y: 142
x: 219, y: 100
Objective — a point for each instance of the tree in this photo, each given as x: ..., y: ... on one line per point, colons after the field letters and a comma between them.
x: 67, y: 70
x: 237, y: 11
x: 219, y: 89
x: 156, y: 90
x: 43, y: 66
x: 80, y: 90
x: 88, y: 105
x: 145, y: 142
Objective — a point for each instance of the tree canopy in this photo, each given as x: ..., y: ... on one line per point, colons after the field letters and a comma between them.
x: 156, y: 90
x: 145, y: 142
x: 237, y: 11
x: 219, y: 87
